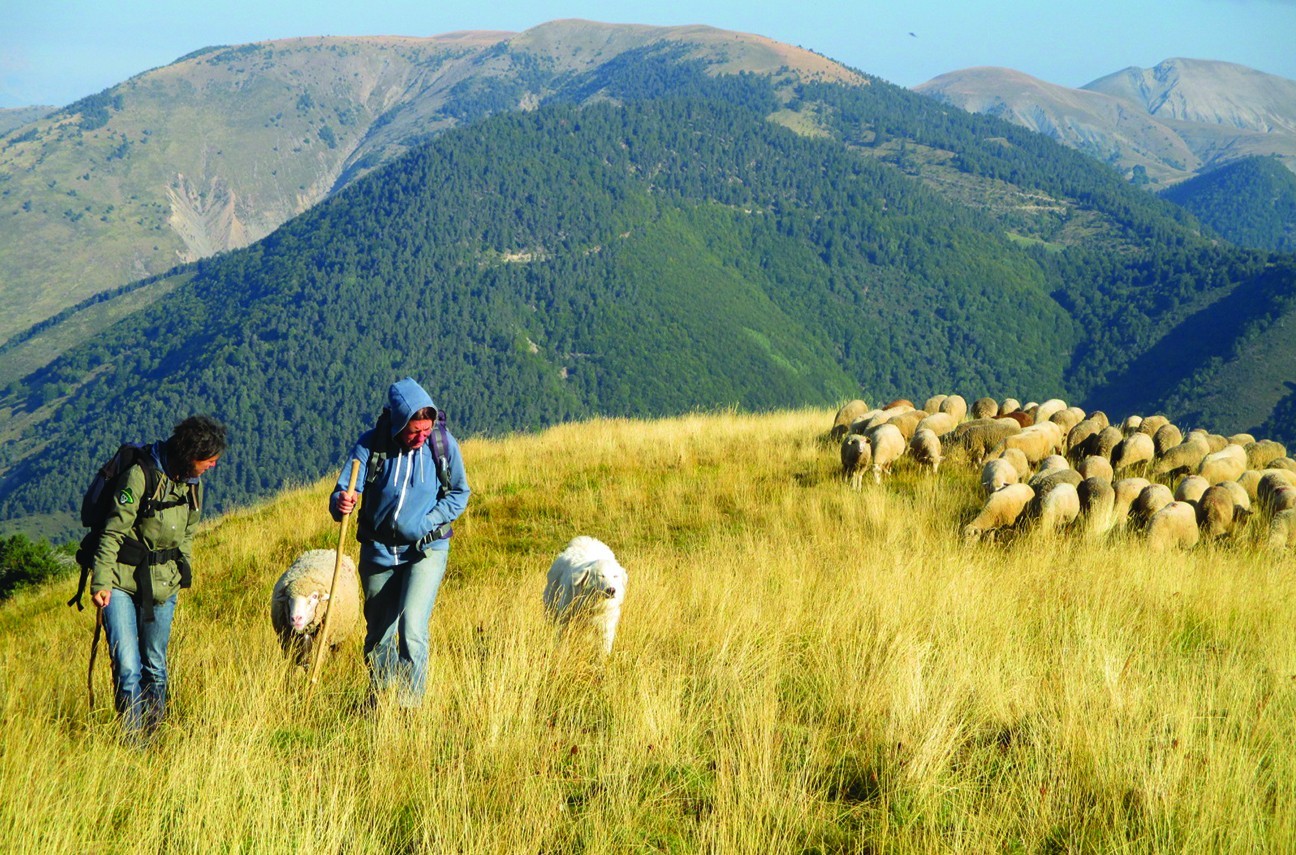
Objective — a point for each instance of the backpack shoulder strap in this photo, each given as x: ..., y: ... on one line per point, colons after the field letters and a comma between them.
x: 441, y: 450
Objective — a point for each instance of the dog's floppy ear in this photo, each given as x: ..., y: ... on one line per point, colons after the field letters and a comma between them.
x: 579, y: 580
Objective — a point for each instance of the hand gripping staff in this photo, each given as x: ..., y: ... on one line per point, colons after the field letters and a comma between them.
x: 322, y: 641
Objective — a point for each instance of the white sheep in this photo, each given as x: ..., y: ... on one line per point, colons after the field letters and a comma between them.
x: 1282, y: 529
x: 300, y: 600
x: 1215, y: 511
x: 1001, y: 510
x: 925, y: 448
x: 1166, y: 437
x: 888, y: 447
x: 1096, y: 466
x: 1227, y: 464
x: 846, y: 415
x: 856, y: 456
x: 586, y: 583
x: 1097, y: 498
x: 1190, y: 489
x: 1149, y: 502
x: 956, y: 406
x: 1261, y: 454
x: 1126, y: 490
x: 996, y: 474
x: 1136, y: 449
x: 1174, y: 525
x: 1057, y: 506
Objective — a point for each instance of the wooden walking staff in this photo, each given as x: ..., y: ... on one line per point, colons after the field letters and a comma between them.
x: 321, y: 642
x: 94, y: 649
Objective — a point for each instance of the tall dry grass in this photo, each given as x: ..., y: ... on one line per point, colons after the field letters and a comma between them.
x: 800, y: 668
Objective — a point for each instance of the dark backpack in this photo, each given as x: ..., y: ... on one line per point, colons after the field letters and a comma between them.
x: 380, y: 451
x: 98, y: 502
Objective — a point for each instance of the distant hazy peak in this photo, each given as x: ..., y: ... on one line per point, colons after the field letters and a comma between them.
x: 1206, y: 91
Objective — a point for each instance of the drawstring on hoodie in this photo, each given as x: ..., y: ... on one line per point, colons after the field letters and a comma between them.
x: 411, y: 455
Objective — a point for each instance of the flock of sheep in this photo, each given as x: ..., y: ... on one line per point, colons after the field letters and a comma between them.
x: 1053, y: 466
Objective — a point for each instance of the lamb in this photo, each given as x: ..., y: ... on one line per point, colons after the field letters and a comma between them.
x: 1046, y: 481
x: 1174, y: 525
x: 925, y: 448
x: 300, y: 600
x: 888, y: 447
x: 1001, y: 510
x: 1100, y: 443
x: 856, y: 457
x: 586, y: 584
x: 1017, y: 460
x: 1241, y: 500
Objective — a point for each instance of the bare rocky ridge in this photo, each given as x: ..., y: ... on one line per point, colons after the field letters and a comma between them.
x: 1176, y: 120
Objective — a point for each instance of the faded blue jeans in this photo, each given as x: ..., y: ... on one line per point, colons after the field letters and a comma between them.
x: 138, y: 649
x: 397, y: 609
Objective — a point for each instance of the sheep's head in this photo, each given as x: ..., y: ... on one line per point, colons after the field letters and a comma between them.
x: 304, y: 610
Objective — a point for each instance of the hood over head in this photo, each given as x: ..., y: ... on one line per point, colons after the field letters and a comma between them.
x: 405, y: 398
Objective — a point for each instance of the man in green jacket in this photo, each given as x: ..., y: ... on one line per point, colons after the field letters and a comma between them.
x: 143, y: 559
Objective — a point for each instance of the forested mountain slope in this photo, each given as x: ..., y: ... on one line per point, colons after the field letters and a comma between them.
x: 217, y: 149
x: 645, y: 241
x: 1250, y: 202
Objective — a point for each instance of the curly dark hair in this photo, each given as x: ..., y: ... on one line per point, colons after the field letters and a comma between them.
x: 196, y: 438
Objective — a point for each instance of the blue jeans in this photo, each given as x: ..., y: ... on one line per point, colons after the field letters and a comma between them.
x: 138, y: 649
x: 397, y: 608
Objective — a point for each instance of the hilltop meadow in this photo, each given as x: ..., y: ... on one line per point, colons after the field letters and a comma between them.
x: 800, y: 667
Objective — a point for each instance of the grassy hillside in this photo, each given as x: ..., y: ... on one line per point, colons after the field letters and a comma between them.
x: 800, y: 667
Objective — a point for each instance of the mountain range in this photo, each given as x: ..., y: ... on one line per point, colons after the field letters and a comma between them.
x: 1181, y: 118
x: 589, y: 219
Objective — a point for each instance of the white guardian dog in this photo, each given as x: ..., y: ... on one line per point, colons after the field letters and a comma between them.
x: 587, y: 584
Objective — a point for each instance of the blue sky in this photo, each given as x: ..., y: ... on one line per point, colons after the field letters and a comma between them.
x: 56, y: 51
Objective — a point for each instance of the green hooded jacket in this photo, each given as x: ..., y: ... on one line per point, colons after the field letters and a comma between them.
x: 168, y: 528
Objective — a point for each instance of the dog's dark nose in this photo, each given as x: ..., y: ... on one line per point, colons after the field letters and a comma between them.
x: 609, y: 592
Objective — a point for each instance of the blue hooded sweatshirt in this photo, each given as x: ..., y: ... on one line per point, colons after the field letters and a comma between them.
x: 403, y: 512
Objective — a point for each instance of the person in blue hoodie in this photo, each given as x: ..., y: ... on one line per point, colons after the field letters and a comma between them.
x: 412, y: 486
